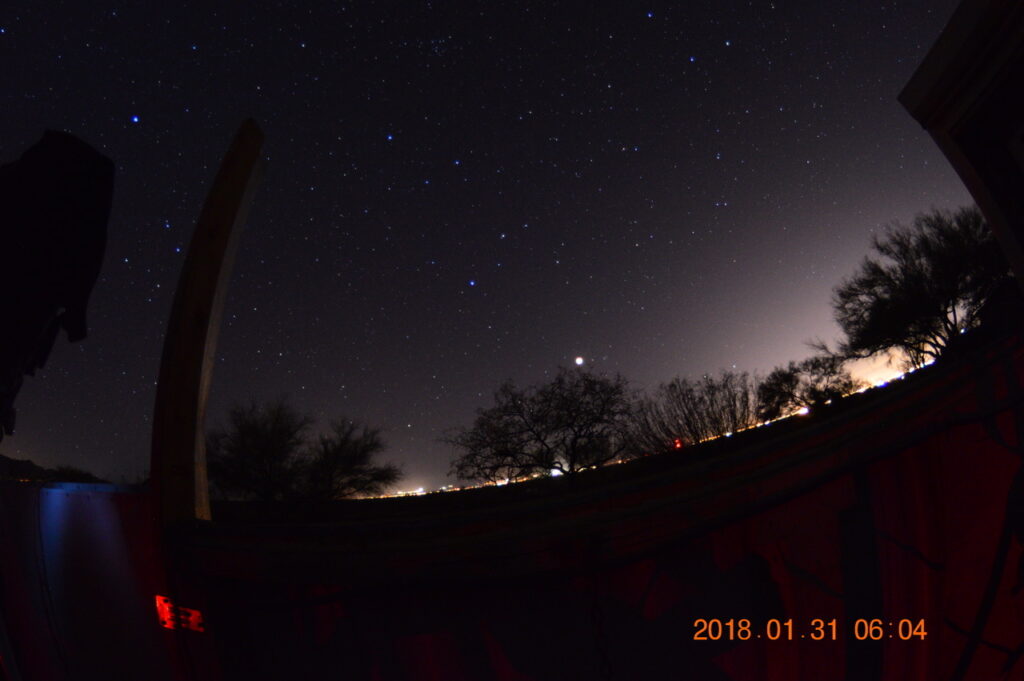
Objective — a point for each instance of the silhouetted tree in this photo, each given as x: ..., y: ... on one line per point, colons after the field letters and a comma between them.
x: 576, y: 421
x: 341, y: 464
x: 686, y: 411
x: 925, y: 287
x: 825, y: 378
x: 263, y: 455
x: 255, y: 457
x: 778, y: 394
x: 809, y: 383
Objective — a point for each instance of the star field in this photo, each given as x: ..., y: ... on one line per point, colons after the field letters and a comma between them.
x: 458, y: 193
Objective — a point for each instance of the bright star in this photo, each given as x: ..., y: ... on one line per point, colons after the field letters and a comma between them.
x: 135, y: 119
x: 579, y: 361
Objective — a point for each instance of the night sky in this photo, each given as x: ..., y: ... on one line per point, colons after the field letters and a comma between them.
x: 460, y: 193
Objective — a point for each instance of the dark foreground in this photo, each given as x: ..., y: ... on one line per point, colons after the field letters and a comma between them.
x: 880, y: 539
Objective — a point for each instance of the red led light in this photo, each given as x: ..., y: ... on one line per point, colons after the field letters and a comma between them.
x: 173, y: 616
x: 677, y: 443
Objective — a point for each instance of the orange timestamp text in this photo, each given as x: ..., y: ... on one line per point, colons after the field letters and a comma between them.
x: 812, y: 630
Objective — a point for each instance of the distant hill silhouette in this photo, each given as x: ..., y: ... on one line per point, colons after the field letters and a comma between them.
x: 23, y: 469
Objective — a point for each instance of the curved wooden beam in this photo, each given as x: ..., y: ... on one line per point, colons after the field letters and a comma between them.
x: 178, y: 454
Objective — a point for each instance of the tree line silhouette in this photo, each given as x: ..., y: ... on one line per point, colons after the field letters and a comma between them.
x: 925, y: 285
x: 266, y: 453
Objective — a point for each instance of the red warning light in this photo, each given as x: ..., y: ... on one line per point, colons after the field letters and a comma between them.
x: 677, y: 443
x: 173, y: 616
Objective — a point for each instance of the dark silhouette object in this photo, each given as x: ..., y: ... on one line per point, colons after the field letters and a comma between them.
x: 779, y: 393
x: 687, y: 411
x: 926, y: 289
x: 72, y: 474
x: 1001, y: 315
x: 809, y: 383
x: 263, y: 456
x: 23, y: 469
x: 255, y: 457
x: 177, y: 454
x: 340, y: 465
x: 577, y: 421
x: 53, y: 230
